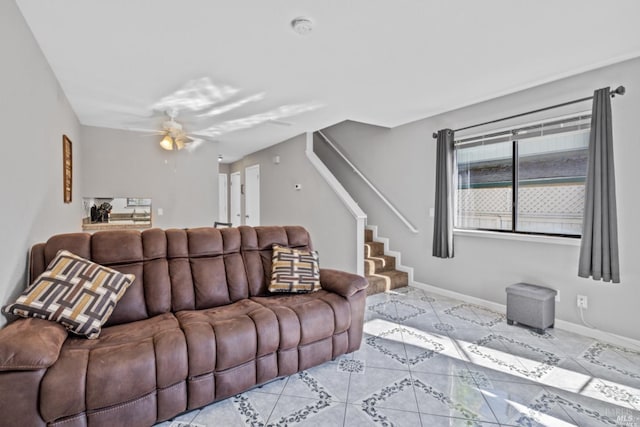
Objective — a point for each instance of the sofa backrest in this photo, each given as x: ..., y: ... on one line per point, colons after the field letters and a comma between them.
x: 256, y: 251
x: 178, y: 269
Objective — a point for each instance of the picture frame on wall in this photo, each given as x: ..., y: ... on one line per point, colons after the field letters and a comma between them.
x: 67, y: 169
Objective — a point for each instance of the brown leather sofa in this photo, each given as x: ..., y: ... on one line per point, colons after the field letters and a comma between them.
x: 197, y: 325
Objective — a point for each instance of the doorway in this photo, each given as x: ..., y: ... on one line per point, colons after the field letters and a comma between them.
x: 252, y: 195
x: 223, y: 198
x: 234, y: 188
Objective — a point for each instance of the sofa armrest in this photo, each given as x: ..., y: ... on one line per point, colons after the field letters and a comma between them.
x: 341, y: 282
x: 30, y: 344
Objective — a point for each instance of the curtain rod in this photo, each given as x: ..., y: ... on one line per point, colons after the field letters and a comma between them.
x: 620, y: 90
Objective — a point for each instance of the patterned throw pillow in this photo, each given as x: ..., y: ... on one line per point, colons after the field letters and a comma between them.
x: 75, y: 292
x: 294, y: 270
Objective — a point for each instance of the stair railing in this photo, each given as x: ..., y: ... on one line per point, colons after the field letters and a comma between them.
x: 356, y: 211
x: 370, y: 184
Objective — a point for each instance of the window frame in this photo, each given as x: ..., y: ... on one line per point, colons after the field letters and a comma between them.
x: 515, y: 184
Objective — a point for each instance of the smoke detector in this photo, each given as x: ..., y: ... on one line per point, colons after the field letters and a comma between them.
x: 302, y: 26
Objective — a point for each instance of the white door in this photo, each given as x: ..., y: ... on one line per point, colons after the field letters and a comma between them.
x: 252, y: 195
x: 234, y: 188
x: 223, y: 195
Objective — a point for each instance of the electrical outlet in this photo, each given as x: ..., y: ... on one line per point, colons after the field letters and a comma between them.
x: 582, y: 301
x: 557, y: 295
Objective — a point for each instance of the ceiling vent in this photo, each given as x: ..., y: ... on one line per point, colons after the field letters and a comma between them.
x: 302, y: 26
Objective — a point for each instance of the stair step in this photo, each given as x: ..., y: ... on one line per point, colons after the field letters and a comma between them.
x: 373, y: 249
x: 385, y: 281
x: 368, y: 235
x: 379, y: 264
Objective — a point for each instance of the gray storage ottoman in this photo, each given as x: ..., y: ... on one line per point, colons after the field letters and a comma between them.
x: 531, y: 305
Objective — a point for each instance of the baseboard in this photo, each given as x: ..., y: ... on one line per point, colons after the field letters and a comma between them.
x: 463, y: 297
x: 559, y: 323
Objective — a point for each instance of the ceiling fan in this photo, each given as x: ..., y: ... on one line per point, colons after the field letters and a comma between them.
x: 175, y: 138
x: 200, y: 104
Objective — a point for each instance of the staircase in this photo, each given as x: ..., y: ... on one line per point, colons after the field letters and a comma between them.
x: 380, y: 269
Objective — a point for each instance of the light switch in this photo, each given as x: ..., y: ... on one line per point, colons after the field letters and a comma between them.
x: 160, y: 211
x: 432, y: 212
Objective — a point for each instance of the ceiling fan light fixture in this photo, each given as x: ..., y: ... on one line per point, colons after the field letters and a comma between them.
x: 167, y: 143
x: 179, y: 143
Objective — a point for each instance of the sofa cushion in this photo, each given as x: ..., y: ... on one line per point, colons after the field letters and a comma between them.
x: 126, y: 363
x: 231, y: 348
x: 223, y: 337
x: 294, y: 270
x: 317, y: 315
x: 74, y: 292
x: 313, y: 328
x: 205, y: 267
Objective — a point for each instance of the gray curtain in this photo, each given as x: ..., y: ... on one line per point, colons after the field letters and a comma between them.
x: 599, y: 246
x: 445, y: 190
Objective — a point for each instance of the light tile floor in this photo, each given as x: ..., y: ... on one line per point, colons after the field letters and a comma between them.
x: 427, y: 360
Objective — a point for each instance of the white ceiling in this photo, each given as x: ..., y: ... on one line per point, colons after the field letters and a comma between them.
x: 382, y: 62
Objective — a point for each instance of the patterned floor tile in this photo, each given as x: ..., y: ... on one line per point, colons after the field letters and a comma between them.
x: 442, y: 364
x: 611, y: 392
x: 320, y: 382
x: 375, y: 385
x: 274, y: 387
x: 463, y: 312
x: 509, y: 400
x: 352, y: 366
x: 359, y: 416
x: 396, y: 310
x: 293, y: 410
x: 444, y: 327
x: 382, y: 353
x: 252, y: 408
x: 476, y: 314
x: 187, y: 417
x: 621, y: 363
x: 396, y: 395
x: 333, y: 416
x: 431, y: 420
x: 468, y: 335
x: 568, y: 343
x: 488, y: 353
x: 224, y: 413
x: 581, y: 410
x: 185, y: 424
x: 451, y: 396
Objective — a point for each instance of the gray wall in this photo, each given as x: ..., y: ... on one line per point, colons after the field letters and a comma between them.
x: 401, y: 162
x: 316, y: 207
x: 129, y: 164
x: 34, y: 114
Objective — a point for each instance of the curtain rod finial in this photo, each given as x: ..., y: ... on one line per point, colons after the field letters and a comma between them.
x: 620, y: 90
x: 435, y: 135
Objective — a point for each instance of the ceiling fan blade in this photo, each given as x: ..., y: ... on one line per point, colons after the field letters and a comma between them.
x: 195, y: 95
x: 232, y: 106
x: 257, y: 119
x: 279, y: 122
x: 194, y: 144
x: 148, y: 132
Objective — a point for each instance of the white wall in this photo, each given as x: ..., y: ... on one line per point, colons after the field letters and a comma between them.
x: 34, y: 114
x: 184, y: 185
x: 401, y: 162
x: 315, y: 207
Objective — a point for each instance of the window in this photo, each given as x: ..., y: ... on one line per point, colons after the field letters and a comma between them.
x: 529, y: 179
